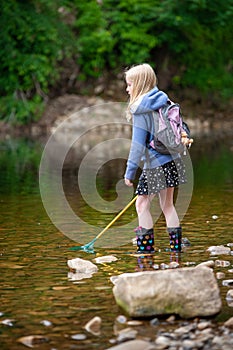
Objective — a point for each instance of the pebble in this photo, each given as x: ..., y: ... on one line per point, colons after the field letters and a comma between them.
x: 173, y: 265
x: 8, y: 322
x: 164, y: 266
x: 229, y: 295
x: 154, y: 322
x: 220, y: 275
x: 229, y: 323
x: 93, y: 326
x: 171, y: 319
x: 121, y: 319
x: 134, y: 323
x: 227, y: 283
x: 219, y: 249
x: 222, y: 263
x: 163, y: 342
x: 202, y: 325
x: 46, y: 323
x: 127, y: 334
x: 78, y: 337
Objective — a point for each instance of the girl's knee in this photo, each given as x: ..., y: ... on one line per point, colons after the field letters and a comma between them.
x: 142, y: 204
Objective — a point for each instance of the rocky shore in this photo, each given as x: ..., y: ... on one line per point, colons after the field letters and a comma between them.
x: 187, y: 331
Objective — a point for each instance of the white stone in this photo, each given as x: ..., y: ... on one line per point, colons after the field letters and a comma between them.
x: 105, y: 259
x: 188, y: 292
x: 219, y: 250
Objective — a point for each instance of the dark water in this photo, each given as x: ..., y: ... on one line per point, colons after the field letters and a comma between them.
x: 34, y: 273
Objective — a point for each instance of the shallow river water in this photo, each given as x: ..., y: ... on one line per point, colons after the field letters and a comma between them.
x: 38, y: 298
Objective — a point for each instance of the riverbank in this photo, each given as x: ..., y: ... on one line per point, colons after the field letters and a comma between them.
x: 202, y: 117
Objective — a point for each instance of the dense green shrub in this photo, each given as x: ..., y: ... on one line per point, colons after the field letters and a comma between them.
x: 37, y: 37
x: 32, y: 44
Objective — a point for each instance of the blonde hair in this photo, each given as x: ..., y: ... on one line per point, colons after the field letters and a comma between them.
x: 143, y: 78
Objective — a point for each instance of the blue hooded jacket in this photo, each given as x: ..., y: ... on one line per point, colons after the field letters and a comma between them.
x: 142, y: 134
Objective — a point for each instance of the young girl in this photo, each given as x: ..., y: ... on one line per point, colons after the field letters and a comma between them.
x: 161, y: 173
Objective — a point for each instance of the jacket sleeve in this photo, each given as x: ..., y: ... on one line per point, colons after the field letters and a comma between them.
x: 138, y: 146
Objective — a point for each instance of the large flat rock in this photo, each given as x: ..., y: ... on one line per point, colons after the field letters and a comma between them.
x: 188, y: 292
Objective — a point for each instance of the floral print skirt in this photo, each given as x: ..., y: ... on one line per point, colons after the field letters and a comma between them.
x: 152, y: 181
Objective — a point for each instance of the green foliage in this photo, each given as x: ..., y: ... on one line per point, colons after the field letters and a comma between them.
x: 94, y: 42
x: 108, y: 35
x: 31, y: 45
x: 197, y: 33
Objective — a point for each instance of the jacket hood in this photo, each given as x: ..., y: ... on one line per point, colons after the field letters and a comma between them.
x: 151, y: 101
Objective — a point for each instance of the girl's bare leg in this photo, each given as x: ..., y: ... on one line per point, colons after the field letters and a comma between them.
x: 143, y: 203
x: 167, y: 205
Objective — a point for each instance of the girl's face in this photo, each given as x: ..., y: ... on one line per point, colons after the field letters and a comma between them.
x: 129, y: 86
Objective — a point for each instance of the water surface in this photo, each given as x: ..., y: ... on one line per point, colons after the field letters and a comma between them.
x: 34, y: 273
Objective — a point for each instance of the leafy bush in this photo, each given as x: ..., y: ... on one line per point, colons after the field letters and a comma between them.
x: 107, y: 35
x: 32, y: 44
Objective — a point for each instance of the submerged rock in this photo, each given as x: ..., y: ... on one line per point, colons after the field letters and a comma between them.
x: 32, y: 340
x: 93, y: 326
x: 105, y: 259
x: 81, y: 265
x: 188, y: 292
x: 219, y: 250
x: 80, y: 269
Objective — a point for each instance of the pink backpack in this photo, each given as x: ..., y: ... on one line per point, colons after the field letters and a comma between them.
x: 168, y: 128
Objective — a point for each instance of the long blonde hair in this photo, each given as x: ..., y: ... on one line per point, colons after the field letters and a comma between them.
x: 143, y: 78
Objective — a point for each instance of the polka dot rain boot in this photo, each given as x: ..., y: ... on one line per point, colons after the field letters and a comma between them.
x: 175, y: 234
x: 145, y: 240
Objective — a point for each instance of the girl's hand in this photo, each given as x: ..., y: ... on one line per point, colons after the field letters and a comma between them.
x: 128, y: 182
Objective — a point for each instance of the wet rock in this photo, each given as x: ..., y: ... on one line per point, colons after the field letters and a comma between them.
x: 173, y: 265
x: 229, y: 323
x: 105, y: 259
x: 79, y: 336
x: 171, y: 319
x: 219, y: 250
x: 229, y: 295
x: 163, y: 342
x: 188, y: 292
x: 222, y: 263
x: 154, y: 322
x: 80, y: 269
x: 229, y: 298
x: 94, y: 325
x: 81, y: 265
x: 227, y: 283
x: 126, y: 334
x: 184, y: 329
x: 32, y: 340
x: 220, y: 275
x: 8, y: 322
x: 185, y: 242
x: 121, y: 319
x: 133, y: 344
x: 209, y: 263
x: 203, y: 325
x: 46, y: 323
x: 164, y: 266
